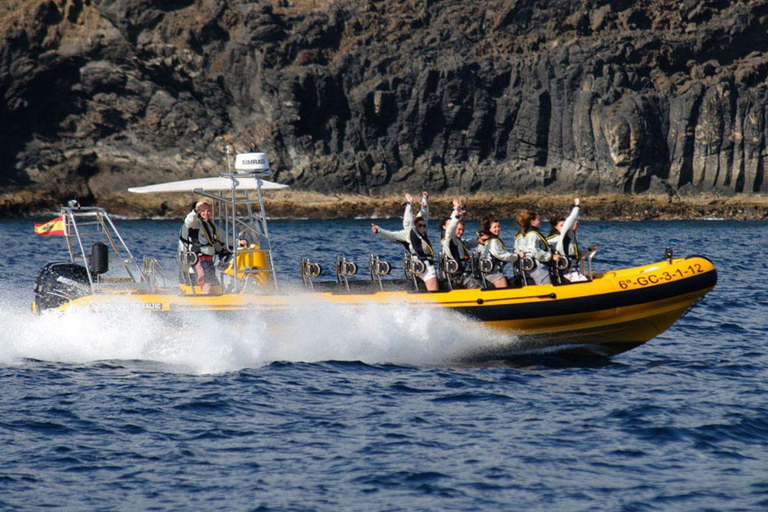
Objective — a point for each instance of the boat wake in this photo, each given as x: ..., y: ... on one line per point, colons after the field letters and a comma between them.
x: 208, y: 342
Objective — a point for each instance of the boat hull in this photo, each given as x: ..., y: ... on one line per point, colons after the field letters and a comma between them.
x: 603, y: 324
x: 613, y: 313
x: 606, y: 333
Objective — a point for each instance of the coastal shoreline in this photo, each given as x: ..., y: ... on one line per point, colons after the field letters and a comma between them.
x: 613, y: 207
x: 296, y: 204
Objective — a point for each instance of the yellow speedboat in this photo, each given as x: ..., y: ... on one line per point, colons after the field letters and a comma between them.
x: 610, y: 313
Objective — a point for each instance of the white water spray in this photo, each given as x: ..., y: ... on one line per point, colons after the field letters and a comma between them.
x: 202, y: 342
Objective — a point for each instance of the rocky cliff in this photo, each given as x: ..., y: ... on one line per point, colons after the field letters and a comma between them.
x: 382, y: 95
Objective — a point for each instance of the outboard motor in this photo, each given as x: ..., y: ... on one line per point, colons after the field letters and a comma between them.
x: 59, y: 283
x: 98, y: 262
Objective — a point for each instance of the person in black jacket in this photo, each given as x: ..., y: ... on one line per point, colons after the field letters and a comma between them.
x: 198, y: 235
x: 456, y: 249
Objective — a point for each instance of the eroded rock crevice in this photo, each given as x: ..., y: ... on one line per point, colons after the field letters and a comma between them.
x: 375, y: 97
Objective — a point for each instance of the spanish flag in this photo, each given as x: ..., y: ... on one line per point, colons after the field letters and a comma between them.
x: 54, y: 227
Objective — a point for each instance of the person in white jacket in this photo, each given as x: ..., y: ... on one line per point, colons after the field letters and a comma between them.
x: 532, y: 244
x: 494, y: 249
x: 455, y: 248
x: 562, y: 236
x: 415, y: 239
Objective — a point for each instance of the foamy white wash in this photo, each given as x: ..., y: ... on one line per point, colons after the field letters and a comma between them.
x: 311, y: 331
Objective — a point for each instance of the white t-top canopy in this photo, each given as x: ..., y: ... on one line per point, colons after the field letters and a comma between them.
x: 208, y: 185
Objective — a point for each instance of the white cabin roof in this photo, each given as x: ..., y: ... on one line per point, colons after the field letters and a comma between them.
x: 209, y: 185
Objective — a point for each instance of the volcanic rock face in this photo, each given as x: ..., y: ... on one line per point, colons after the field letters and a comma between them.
x: 351, y: 96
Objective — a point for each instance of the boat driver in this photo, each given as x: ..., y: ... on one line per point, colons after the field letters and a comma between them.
x: 198, y: 236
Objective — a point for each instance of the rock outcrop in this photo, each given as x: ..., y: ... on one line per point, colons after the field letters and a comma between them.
x: 663, y: 96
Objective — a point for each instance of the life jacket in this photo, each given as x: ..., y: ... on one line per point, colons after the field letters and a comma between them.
x: 495, y: 260
x: 197, y: 239
x: 456, y: 253
x: 491, y: 237
x: 551, y: 238
x: 421, y: 246
x: 520, y: 235
x: 186, y: 236
x: 189, y: 236
x: 569, y: 242
x: 541, y: 237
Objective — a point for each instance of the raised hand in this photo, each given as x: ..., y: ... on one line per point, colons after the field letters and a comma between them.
x: 408, y: 198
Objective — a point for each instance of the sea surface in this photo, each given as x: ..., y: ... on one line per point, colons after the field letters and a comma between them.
x: 362, y: 411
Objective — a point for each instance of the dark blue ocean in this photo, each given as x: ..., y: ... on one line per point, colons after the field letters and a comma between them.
x: 363, y: 412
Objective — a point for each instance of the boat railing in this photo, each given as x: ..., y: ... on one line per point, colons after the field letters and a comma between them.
x: 413, y: 268
x: 186, y: 262
x: 559, y: 267
x: 378, y: 268
x: 248, y: 268
x: 586, y: 261
x: 525, y: 265
x: 309, y: 271
x: 481, y: 267
x: 152, y: 269
x: 448, y: 267
x: 344, y: 270
x: 94, y: 242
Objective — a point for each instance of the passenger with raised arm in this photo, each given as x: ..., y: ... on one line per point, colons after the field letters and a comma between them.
x: 532, y: 244
x: 562, y: 236
x: 403, y: 236
x: 198, y: 235
x: 414, y: 237
x: 494, y: 249
x: 455, y: 248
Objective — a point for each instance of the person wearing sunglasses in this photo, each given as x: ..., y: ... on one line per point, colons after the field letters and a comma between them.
x: 403, y: 236
x: 421, y: 248
x: 414, y: 238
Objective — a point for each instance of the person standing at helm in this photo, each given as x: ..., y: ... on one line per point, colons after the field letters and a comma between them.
x: 532, y: 244
x: 562, y: 236
x: 494, y: 249
x: 199, y: 236
x: 455, y: 248
x: 414, y: 238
